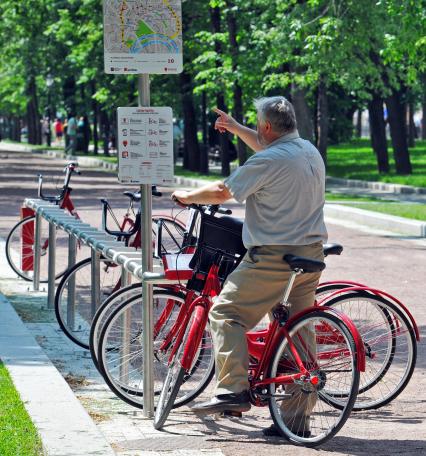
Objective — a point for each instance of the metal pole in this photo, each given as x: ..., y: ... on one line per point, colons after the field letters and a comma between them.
x: 147, y: 265
x: 95, y: 282
x: 51, y: 267
x: 37, y: 246
x: 72, y: 253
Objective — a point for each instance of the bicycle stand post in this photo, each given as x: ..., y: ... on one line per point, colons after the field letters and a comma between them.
x: 37, y: 252
x: 72, y: 254
x: 51, y: 267
x: 147, y: 266
x: 95, y: 281
x: 125, y: 345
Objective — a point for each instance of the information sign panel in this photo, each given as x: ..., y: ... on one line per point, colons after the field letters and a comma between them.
x: 143, y: 36
x: 145, y: 145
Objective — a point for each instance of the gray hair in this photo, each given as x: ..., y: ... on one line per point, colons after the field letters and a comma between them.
x: 278, y: 111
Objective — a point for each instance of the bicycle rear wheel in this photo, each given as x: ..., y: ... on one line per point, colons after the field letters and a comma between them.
x: 390, y: 346
x: 301, y: 410
x: 73, y: 298
x: 172, y: 234
x: 20, y: 250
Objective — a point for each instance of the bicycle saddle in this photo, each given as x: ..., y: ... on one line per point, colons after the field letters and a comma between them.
x: 134, y: 196
x: 305, y: 264
x: 332, y: 249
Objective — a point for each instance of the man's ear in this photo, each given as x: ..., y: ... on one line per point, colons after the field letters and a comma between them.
x: 268, y: 127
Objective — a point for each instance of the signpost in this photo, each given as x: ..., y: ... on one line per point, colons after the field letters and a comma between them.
x: 144, y: 37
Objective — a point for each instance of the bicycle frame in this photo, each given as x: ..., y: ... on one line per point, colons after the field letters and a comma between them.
x: 264, y: 349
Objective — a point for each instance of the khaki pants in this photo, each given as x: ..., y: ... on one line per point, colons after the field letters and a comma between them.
x: 249, y: 293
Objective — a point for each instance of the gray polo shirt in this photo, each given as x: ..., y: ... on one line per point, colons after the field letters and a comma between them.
x: 283, y: 186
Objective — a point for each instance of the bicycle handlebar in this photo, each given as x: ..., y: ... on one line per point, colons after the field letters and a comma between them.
x: 212, y: 208
x: 68, y: 170
x: 105, y: 207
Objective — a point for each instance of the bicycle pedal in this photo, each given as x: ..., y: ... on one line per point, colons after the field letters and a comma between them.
x: 230, y: 413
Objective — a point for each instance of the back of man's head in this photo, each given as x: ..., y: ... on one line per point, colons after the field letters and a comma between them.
x: 279, y: 112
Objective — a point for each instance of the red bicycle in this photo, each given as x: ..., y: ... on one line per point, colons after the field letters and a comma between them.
x: 324, y: 374
x: 20, y: 241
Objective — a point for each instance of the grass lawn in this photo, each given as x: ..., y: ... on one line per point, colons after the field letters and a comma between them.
x: 18, y: 436
x: 356, y: 160
x: 413, y: 211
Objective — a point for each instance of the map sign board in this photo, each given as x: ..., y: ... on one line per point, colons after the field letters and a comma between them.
x: 143, y: 36
x: 145, y: 145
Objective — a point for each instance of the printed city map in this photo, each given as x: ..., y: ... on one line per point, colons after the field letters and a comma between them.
x: 143, y: 36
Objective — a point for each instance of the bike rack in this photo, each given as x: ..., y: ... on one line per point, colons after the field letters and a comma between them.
x: 101, y: 244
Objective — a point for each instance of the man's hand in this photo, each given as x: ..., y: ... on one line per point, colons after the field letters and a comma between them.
x: 225, y: 122
x: 182, y: 197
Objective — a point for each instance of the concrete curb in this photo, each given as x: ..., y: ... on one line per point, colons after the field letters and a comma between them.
x: 382, y: 186
x: 376, y: 220
x: 64, y: 426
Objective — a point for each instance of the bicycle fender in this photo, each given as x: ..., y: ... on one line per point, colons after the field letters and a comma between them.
x: 382, y: 294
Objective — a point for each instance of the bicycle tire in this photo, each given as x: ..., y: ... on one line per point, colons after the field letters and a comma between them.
x: 178, y: 376
x: 101, y: 315
x: 132, y: 390
x: 13, y: 254
x: 329, y: 367
x: 80, y: 310
x: 380, y: 323
x: 166, y: 403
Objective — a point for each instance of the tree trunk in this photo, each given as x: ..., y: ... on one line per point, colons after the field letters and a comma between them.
x: 322, y: 120
x: 191, y: 159
x: 424, y: 117
x: 106, y: 131
x: 378, y: 133
x: 220, y: 100
x: 238, y: 91
x: 33, y: 116
x: 358, y: 129
x: 305, y: 124
x: 411, y: 126
x: 95, y: 109
x: 204, y: 157
x: 398, y: 129
x: 69, y: 90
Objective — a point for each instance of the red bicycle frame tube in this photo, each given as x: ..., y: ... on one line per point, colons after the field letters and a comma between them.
x: 201, y: 307
x: 262, y: 350
x: 323, y: 302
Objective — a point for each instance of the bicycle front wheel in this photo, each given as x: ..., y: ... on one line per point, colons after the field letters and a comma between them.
x: 73, y: 298
x: 107, y: 307
x: 300, y: 407
x: 20, y: 250
x: 180, y: 385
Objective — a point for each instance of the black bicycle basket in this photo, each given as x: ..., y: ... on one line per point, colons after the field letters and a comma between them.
x: 217, y: 235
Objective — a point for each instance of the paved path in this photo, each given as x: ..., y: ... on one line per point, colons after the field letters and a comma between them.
x: 390, y: 262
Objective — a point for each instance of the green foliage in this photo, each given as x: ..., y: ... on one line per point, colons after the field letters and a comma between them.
x: 356, y: 46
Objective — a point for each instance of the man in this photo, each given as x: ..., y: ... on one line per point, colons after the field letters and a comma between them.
x: 71, y: 133
x: 283, y: 185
